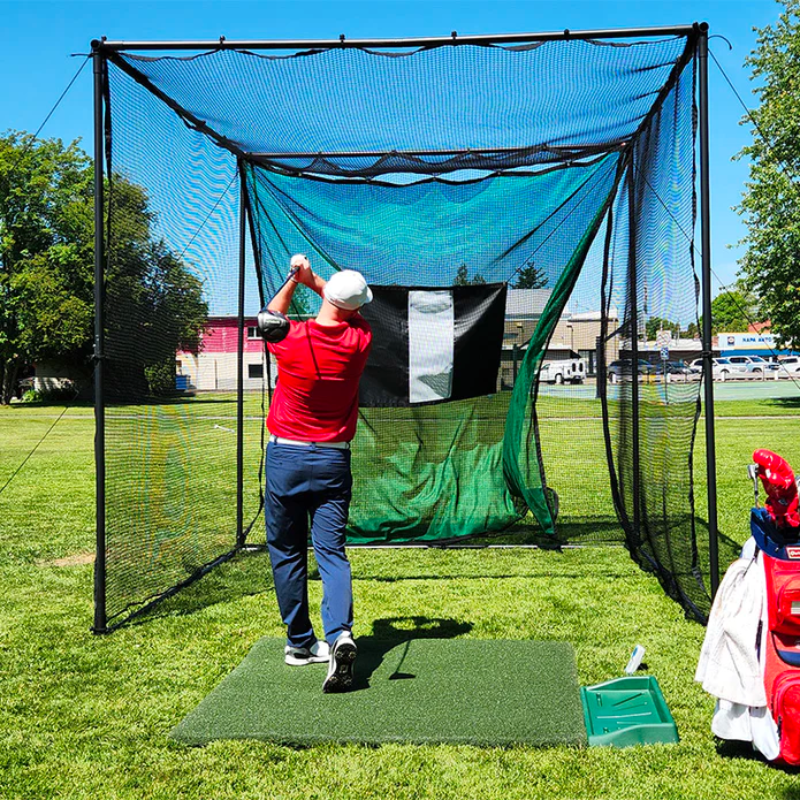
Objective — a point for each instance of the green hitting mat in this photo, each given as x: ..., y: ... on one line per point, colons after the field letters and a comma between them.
x: 485, y: 692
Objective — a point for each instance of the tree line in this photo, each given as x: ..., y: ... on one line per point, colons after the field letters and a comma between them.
x: 47, y: 272
x: 770, y: 207
x: 157, y: 305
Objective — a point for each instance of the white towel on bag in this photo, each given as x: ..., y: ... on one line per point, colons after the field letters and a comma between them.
x: 729, y: 667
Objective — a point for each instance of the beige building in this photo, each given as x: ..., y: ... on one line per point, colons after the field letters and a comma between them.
x: 574, y: 334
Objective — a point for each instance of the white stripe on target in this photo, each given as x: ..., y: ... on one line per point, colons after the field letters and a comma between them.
x: 431, y: 334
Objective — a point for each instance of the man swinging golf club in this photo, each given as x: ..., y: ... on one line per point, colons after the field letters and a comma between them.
x: 312, y: 419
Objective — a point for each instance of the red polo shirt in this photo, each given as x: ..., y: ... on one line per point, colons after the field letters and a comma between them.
x: 319, y: 367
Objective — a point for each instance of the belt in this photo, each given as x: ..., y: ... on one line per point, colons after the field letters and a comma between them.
x: 295, y: 443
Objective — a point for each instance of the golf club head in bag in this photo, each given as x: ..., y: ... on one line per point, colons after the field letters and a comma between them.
x: 272, y: 325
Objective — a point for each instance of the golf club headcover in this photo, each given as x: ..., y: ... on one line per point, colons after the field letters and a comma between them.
x: 779, y: 483
x: 272, y: 325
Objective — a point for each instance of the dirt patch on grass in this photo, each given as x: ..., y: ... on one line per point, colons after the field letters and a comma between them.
x: 76, y: 560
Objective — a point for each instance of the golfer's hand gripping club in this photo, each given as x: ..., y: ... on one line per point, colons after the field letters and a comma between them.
x: 299, y: 269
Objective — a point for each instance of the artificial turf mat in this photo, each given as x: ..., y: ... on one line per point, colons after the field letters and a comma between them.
x: 481, y: 692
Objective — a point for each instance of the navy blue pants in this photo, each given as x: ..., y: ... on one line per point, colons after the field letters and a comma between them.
x: 309, y: 483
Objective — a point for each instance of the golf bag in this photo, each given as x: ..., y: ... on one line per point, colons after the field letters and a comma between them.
x: 780, y: 556
x: 751, y: 655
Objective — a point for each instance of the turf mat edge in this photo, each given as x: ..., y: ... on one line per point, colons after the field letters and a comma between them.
x: 421, y: 691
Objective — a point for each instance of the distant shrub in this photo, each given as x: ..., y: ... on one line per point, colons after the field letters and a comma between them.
x: 56, y: 394
x: 161, y: 378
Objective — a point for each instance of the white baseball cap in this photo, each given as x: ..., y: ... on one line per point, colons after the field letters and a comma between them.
x: 348, y: 290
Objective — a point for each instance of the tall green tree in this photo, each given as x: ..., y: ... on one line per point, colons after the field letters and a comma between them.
x: 656, y: 324
x: 771, y: 203
x: 45, y: 253
x: 154, y: 304
x: 733, y: 310
x: 692, y: 331
x: 531, y: 277
x: 47, y: 269
x: 463, y: 279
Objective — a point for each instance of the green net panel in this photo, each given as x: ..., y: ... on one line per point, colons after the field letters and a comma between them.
x: 558, y: 175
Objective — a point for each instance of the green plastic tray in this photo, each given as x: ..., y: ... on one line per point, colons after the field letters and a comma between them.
x: 627, y: 711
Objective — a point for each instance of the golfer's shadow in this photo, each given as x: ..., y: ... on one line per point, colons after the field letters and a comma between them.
x: 389, y: 633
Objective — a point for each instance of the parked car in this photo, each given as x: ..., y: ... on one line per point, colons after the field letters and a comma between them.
x: 721, y: 368
x: 673, y: 368
x: 571, y: 370
x: 789, y: 367
x: 618, y: 369
x: 752, y: 366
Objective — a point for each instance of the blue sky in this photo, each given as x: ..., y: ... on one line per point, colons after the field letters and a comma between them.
x: 38, y: 38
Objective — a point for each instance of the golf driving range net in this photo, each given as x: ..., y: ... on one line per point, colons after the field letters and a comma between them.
x: 525, y: 215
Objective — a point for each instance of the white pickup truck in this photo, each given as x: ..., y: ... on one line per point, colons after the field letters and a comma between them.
x: 570, y: 370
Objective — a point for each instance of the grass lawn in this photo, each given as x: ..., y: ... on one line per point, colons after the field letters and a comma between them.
x: 86, y: 716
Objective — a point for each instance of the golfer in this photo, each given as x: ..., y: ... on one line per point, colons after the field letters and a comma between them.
x: 312, y: 419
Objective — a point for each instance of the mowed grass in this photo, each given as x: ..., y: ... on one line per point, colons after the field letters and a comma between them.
x: 87, y: 716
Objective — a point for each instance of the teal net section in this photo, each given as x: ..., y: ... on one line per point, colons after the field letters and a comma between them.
x: 559, y: 175
x: 427, y: 234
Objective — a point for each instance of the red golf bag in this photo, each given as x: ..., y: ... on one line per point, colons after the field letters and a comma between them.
x: 776, y: 530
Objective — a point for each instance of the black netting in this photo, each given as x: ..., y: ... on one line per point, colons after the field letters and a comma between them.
x: 563, y: 170
x: 652, y: 425
x: 171, y: 413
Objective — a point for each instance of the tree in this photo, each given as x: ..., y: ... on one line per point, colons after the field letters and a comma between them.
x: 771, y: 202
x: 733, y: 310
x: 155, y: 305
x: 463, y: 279
x: 531, y: 277
x: 47, y: 268
x: 45, y: 253
x: 656, y: 324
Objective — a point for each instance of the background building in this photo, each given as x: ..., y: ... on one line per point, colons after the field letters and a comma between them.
x: 214, y: 368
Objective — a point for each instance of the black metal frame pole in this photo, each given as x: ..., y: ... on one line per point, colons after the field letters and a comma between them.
x: 435, y: 41
x: 708, y: 371
x: 634, y: 322
x: 240, y: 370
x: 100, y: 616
